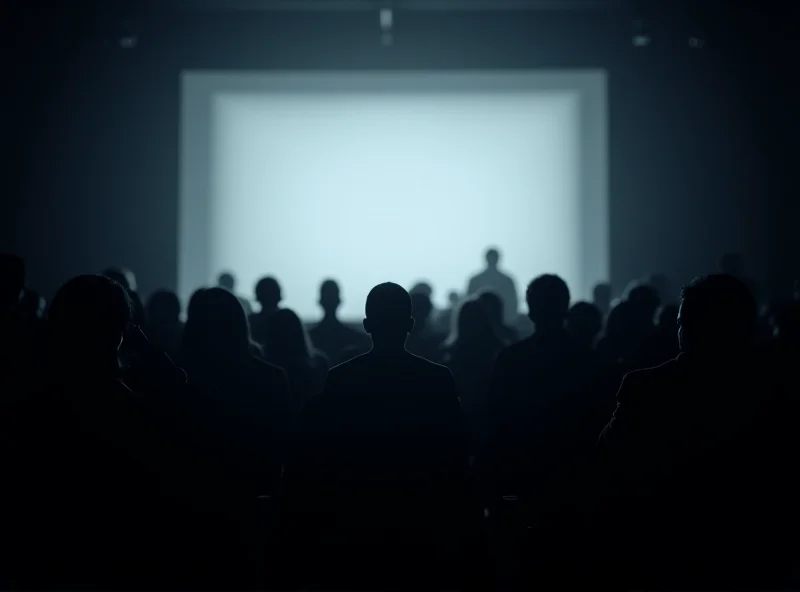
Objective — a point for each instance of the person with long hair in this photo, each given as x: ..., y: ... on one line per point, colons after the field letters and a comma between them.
x: 288, y: 346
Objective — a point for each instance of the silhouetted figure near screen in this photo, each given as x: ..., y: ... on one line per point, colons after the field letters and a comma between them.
x: 494, y: 308
x: 253, y: 401
x: 268, y: 296
x: 470, y: 356
x: 289, y: 347
x: 601, y: 298
x: 551, y: 397
x: 338, y: 341
x: 643, y: 302
x: 444, y: 319
x: 584, y: 322
x: 495, y: 280
x: 698, y: 483
x: 377, y: 481
x: 424, y: 340
x: 227, y: 281
x: 164, y: 326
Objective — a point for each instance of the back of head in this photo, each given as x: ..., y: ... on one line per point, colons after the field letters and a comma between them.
x: 421, y: 308
x: 585, y: 321
x: 12, y: 279
x: 388, y: 313
x: 492, y: 257
x: 286, y: 336
x: 268, y: 292
x: 163, y: 307
x: 548, y: 301
x: 644, y: 301
x: 216, y: 325
x: 493, y: 305
x: 226, y: 280
x: 88, y: 317
x: 717, y: 315
x: 474, y: 325
x: 329, y: 296
x: 453, y: 298
x: 423, y: 288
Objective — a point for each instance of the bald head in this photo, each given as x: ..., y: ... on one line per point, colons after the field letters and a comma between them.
x: 388, y: 312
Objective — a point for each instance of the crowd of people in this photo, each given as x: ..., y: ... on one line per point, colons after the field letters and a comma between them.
x: 644, y: 441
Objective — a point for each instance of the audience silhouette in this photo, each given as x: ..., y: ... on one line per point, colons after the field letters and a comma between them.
x: 338, y: 341
x: 694, y: 455
x: 495, y: 280
x: 227, y: 281
x: 378, y: 477
x: 247, y: 464
x: 268, y: 296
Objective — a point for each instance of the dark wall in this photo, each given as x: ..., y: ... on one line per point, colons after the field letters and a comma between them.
x: 700, y: 153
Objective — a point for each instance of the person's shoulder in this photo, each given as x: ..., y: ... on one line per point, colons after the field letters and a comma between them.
x: 266, y: 369
x: 517, y: 350
x: 352, y: 365
x: 636, y: 381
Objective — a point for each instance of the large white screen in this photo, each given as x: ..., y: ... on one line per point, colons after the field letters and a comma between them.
x: 387, y: 178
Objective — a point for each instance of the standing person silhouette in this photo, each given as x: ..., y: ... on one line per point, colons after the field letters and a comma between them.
x: 502, y: 284
x: 332, y: 336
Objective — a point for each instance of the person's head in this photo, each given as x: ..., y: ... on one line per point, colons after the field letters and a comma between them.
x: 601, y: 296
x: 453, y: 298
x: 492, y: 257
x: 660, y: 283
x: 123, y: 276
x: 226, y: 280
x: 32, y: 304
x: 474, y: 325
x: 644, y: 302
x: 163, y: 308
x: 619, y: 324
x: 717, y: 315
x: 287, y: 337
x: 388, y: 317
x: 423, y: 288
x: 493, y: 305
x: 584, y: 321
x: 732, y: 264
x: 12, y: 280
x: 216, y: 325
x: 268, y: 293
x: 87, y: 320
x: 421, y: 308
x: 548, y: 302
x: 329, y: 297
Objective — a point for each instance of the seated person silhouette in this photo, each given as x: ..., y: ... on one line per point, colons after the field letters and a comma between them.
x: 227, y: 281
x: 377, y: 479
x: 584, y: 322
x: 424, y: 340
x: 495, y: 280
x: 494, y: 308
x: 268, y: 296
x: 601, y: 298
x: 289, y: 347
x: 336, y: 340
x: 695, y: 465
x: 164, y: 326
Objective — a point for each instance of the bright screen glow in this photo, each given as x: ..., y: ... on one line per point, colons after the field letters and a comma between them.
x: 378, y: 177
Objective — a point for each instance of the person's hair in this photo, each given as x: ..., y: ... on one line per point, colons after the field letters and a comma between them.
x: 12, y: 278
x: 493, y: 304
x: 644, y: 300
x: 473, y: 326
x: 89, y: 312
x: 718, y: 312
x: 124, y: 277
x: 163, y: 307
x: 584, y: 320
x: 388, y: 309
x: 216, y: 325
x: 226, y: 280
x: 287, y: 336
x: 268, y: 291
x: 329, y: 294
x: 548, y: 300
x: 421, y: 308
x: 492, y: 256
